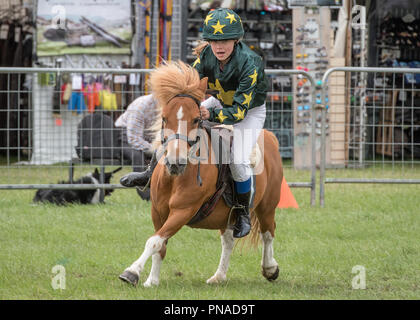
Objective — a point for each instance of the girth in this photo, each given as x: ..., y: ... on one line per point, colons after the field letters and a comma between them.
x: 207, y: 208
x: 224, y: 184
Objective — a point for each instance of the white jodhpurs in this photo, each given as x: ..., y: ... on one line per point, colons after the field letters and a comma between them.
x: 245, y: 135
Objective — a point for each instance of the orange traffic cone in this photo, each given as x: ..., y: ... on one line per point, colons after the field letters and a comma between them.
x: 287, y: 200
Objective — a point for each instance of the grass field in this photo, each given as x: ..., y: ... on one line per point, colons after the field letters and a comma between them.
x: 374, y: 226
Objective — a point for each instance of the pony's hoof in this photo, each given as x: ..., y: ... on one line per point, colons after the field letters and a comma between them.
x: 150, y: 283
x: 269, y: 275
x: 216, y: 279
x: 129, y: 277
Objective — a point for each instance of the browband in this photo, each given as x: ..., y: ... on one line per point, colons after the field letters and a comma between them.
x: 188, y: 96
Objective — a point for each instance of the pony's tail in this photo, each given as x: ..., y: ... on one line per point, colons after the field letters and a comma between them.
x: 254, y: 235
x: 253, y: 239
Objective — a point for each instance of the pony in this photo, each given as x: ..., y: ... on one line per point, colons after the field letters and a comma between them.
x: 179, y: 186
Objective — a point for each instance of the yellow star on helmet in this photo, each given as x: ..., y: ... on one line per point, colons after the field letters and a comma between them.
x: 248, y: 98
x: 231, y: 17
x: 218, y: 27
x: 221, y: 117
x: 253, y: 77
x: 208, y: 18
x: 240, y: 115
x: 197, y: 61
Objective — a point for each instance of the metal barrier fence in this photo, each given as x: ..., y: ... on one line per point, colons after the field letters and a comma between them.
x: 297, y: 97
x: 371, y: 125
x: 39, y: 119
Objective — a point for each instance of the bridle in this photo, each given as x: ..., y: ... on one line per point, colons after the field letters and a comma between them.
x: 177, y: 136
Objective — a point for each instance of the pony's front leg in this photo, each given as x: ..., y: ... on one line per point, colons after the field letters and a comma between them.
x: 153, y: 245
x: 156, y: 245
x: 227, y: 247
x: 157, y: 258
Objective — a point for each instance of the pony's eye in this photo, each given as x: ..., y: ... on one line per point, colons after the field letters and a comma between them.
x: 164, y: 120
x: 196, y: 120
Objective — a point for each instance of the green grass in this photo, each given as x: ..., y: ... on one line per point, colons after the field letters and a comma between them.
x: 376, y: 226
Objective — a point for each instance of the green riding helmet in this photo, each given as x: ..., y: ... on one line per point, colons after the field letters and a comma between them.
x: 222, y: 24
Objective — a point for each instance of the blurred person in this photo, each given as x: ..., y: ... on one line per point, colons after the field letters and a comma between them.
x: 136, y: 140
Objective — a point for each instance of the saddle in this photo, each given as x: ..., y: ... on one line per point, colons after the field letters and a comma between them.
x: 221, y: 141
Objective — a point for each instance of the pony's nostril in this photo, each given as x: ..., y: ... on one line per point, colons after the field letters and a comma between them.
x: 169, y: 161
x: 176, y: 169
x: 176, y: 161
x: 181, y: 161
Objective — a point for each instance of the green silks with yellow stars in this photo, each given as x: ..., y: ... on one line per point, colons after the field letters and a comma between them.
x: 242, y: 84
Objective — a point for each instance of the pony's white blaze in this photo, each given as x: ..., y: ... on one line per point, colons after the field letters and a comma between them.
x: 177, y: 149
x: 179, y: 116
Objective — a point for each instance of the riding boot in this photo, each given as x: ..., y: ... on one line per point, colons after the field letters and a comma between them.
x: 140, y: 179
x: 243, y: 222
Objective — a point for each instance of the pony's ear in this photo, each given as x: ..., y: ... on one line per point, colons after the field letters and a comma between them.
x: 203, y: 84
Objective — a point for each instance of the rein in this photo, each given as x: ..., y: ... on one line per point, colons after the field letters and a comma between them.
x: 178, y: 136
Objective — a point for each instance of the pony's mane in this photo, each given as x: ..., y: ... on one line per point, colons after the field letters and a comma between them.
x: 173, y: 78
x: 167, y: 81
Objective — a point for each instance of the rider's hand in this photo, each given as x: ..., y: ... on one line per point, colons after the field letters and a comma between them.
x: 205, y: 114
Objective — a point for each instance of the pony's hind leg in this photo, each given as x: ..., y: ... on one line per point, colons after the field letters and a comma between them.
x: 227, y: 247
x: 269, y: 265
x: 270, y: 268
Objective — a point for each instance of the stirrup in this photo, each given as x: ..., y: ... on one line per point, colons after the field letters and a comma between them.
x: 146, y: 186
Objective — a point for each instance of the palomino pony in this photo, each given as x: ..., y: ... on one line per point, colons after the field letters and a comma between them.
x: 175, y: 193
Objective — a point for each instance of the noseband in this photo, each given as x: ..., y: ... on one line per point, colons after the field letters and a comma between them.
x: 178, y: 136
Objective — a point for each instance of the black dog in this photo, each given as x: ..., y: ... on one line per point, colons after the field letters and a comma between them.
x: 62, y: 197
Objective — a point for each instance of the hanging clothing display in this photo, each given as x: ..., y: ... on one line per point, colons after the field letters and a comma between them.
x: 108, y: 100
x: 77, y: 102
x: 92, y: 97
x: 65, y: 93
